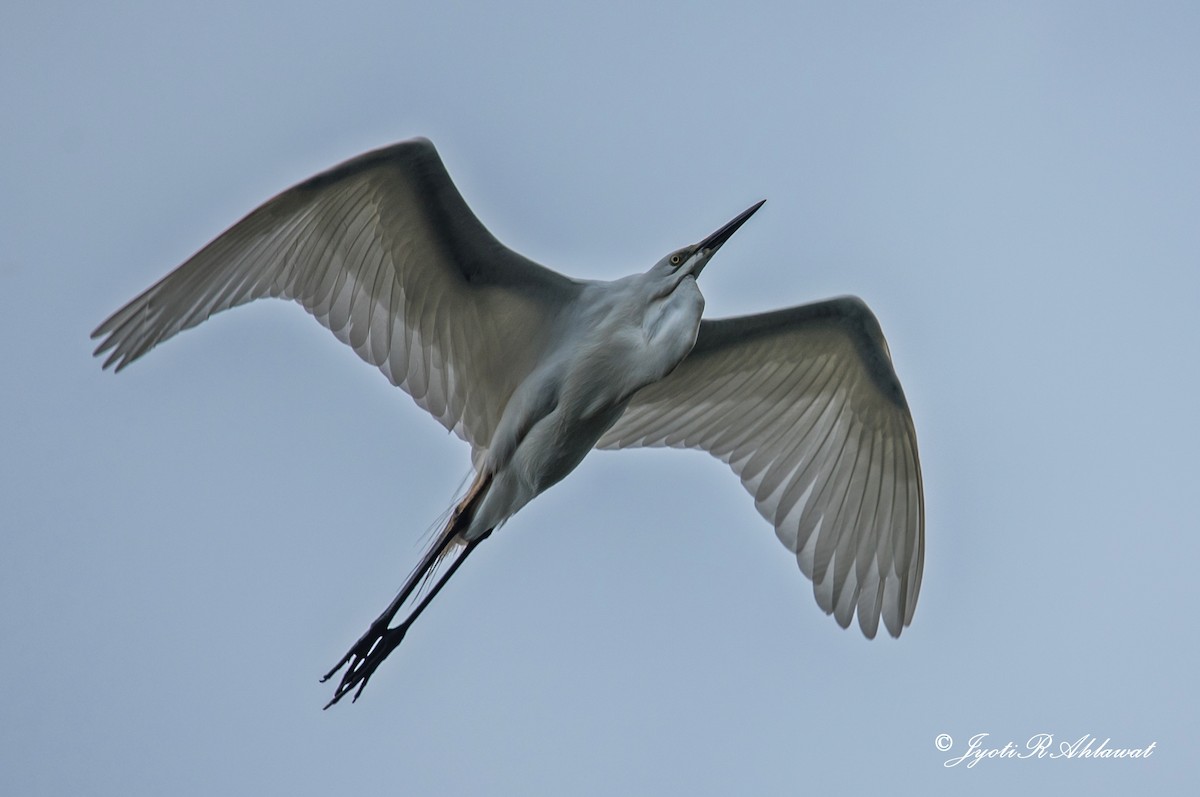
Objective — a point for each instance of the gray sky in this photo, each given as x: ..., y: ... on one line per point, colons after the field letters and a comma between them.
x: 1012, y: 187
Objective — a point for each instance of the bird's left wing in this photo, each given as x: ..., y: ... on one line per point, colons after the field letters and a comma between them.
x: 804, y: 406
x: 383, y: 251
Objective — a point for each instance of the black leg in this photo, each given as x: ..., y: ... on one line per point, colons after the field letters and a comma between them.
x: 364, y: 644
x: 379, y: 641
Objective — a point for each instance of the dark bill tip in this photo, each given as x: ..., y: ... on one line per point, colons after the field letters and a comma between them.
x: 714, y: 241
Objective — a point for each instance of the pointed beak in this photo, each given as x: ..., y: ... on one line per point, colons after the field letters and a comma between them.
x: 712, y: 243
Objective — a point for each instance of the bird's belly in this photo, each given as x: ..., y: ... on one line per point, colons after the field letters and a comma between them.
x: 558, y: 443
x: 553, y: 447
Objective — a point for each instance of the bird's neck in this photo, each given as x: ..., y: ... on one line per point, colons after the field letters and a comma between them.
x: 628, y: 341
x: 669, y: 326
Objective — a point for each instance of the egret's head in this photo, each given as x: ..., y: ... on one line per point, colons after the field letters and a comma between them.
x: 691, y: 260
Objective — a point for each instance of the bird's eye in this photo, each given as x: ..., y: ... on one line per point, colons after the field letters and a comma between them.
x: 676, y: 260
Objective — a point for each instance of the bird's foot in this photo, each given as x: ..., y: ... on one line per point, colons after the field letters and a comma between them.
x: 367, y: 654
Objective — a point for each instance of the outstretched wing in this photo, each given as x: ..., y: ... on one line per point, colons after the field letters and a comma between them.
x: 804, y: 406
x: 384, y: 252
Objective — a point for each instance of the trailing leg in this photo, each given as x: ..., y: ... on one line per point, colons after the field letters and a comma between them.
x: 380, y: 639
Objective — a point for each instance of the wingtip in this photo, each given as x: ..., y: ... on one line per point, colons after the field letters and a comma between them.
x: 115, y: 361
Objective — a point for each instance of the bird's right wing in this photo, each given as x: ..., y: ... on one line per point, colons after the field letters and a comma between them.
x: 383, y: 251
x: 804, y: 406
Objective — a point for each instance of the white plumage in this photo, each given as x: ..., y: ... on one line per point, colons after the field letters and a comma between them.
x: 534, y: 369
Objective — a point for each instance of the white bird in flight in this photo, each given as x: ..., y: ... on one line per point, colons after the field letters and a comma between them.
x: 534, y: 369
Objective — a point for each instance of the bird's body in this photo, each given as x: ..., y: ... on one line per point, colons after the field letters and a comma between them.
x: 609, y: 345
x: 535, y: 370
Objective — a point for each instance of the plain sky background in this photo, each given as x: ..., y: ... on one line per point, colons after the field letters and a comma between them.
x: 1014, y: 188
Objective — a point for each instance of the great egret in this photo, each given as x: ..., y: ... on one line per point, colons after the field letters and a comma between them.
x: 534, y: 369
